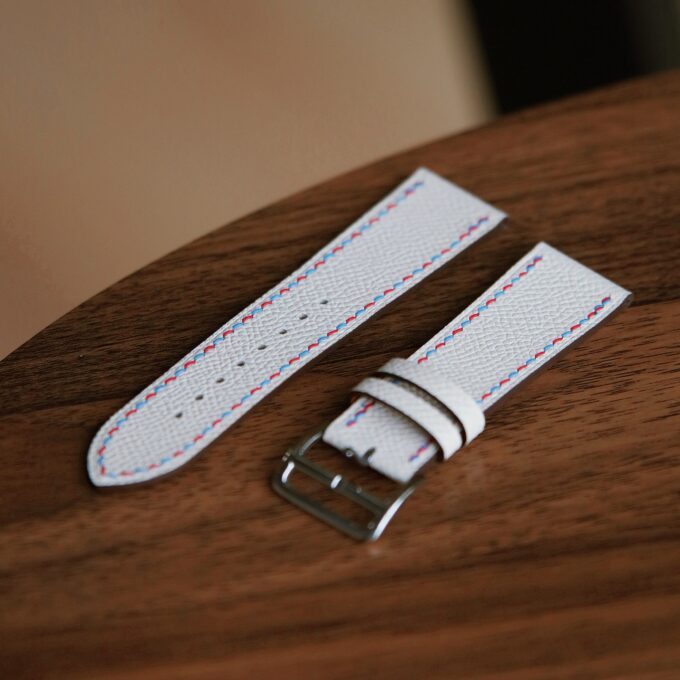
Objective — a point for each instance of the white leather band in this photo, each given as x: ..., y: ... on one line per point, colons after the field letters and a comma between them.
x: 432, y: 382
x: 416, y: 229
x: 426, y: 415
x: 542, y: 305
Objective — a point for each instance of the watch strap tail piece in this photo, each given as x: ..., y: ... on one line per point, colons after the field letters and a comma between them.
x: 421, y: 225
x: 436, y: 401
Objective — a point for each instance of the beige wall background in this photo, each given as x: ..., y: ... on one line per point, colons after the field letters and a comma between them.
x: 130, y: 128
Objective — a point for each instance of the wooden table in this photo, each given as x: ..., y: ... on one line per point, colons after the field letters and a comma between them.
x: 549, y: 549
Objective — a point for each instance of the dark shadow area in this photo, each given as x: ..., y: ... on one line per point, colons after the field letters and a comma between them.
x: 537, y: 51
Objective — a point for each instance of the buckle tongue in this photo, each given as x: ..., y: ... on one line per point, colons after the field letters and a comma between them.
x: 382, y: 510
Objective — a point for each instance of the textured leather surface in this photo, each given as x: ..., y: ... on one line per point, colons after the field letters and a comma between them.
x: 538, y: 308
x: 416, y: 229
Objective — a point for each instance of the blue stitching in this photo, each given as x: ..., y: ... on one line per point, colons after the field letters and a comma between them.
x: 547, y: 348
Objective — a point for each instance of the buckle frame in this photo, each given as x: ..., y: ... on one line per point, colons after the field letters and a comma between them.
x: 382, y: 510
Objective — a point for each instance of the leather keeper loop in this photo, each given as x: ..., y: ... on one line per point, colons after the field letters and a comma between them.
x: 433, y: 382
x: 443, y: 429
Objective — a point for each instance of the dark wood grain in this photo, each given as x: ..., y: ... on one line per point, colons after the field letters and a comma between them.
x: 549, y: 549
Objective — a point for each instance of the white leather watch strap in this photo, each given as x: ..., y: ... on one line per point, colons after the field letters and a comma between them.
x: 416, y: 229
x: 543, y: 304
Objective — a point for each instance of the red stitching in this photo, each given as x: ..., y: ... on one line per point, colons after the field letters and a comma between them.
x: 361, y: 411
x: 542, y: 352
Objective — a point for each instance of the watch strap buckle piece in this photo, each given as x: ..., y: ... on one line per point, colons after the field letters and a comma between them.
x: 381, y: 510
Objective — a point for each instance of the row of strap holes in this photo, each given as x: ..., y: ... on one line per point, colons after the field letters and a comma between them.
x: 242, y: 363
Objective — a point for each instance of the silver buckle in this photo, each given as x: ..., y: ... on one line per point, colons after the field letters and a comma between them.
x: 382, y: 510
